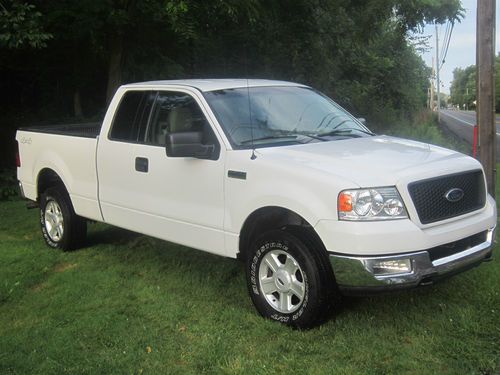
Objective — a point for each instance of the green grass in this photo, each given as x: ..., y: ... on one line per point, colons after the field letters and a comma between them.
x: 130, y: 304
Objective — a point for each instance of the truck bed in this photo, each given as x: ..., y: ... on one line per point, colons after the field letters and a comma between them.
x: 86, y: 130
x: 67, y: 150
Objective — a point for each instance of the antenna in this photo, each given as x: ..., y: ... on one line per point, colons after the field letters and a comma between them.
x: 254, y: 156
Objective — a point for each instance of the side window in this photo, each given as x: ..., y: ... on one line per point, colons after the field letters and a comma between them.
x: 176, y: 112
x: 132, y: 116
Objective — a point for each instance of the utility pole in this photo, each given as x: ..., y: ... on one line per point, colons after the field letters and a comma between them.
x: 485, y: 73
x: 467, y: 99
x: 437, y: 75
x: 432, y: 86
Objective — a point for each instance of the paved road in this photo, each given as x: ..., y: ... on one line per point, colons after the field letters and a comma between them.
x: 462, y: 123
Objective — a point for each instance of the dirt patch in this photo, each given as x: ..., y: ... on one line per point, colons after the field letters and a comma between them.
x: 38, y: 287
x: 61, y: 267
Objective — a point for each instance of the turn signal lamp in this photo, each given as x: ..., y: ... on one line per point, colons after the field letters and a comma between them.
x: 345, y: 202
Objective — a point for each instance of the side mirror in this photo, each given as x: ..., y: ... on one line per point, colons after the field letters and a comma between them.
x: 362, y: 120
x: 188, y: 145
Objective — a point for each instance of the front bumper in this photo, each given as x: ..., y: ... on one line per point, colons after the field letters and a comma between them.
x: 357, y: 275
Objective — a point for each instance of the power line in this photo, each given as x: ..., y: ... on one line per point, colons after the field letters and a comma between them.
x: 447, y: 44
x: 445, y: 38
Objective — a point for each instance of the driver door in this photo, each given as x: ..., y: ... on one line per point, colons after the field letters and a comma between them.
x: 174, y: 198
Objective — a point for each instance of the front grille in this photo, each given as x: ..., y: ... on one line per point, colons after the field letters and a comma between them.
x: 429, y: 196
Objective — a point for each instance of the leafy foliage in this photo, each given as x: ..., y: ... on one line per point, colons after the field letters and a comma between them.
x: 463, y: 86
x: 21, y: 26
x: 414, y: 14
x: 8, y: 185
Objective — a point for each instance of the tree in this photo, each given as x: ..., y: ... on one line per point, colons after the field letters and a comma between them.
x: 463, y: 86
x: 21, y: 26
x: 357, y: 51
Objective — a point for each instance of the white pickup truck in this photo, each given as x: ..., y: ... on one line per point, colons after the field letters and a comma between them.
x: 271, y: 172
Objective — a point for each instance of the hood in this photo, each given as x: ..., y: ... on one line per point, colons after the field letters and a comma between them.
x: 372, y: 161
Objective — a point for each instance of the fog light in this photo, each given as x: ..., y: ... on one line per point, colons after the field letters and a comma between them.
x: 387, y: 267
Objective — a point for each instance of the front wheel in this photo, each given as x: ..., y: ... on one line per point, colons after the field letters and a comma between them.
x: 61, y: 227
x: 290, y: 280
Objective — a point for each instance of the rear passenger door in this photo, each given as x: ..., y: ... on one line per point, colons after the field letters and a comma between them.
x: 176, y: 199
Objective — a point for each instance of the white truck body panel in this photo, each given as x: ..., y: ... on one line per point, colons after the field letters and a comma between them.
x: 72, y: 158
x: 180, y: 200
x: 194, y: 203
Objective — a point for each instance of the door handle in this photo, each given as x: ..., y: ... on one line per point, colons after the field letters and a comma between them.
x: 141, y: 164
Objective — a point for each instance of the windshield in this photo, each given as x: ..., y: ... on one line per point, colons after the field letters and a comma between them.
x: 269, y: 116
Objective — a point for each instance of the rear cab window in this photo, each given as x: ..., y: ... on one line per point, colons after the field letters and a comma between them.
x: 132, y: 116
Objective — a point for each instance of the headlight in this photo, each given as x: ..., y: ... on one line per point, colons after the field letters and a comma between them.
x: 382, y: 203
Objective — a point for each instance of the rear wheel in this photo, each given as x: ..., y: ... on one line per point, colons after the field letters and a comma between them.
x: 290, y: 280
x: 61, y: 227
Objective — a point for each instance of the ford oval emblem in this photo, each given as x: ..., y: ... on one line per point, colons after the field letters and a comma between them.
x: 454, y: 195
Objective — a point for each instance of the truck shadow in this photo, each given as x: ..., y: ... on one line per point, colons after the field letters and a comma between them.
x: 108, y: 235
x: 217, y: 281
x: 170, y: 265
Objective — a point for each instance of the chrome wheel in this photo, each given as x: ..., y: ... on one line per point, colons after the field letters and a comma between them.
x: 281, y: 281
x: 54, y: 221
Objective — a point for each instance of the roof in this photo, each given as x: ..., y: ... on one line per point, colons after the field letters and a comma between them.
x: 215, y: 84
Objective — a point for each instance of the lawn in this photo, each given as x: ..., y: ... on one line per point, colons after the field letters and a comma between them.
x: 131, y: 304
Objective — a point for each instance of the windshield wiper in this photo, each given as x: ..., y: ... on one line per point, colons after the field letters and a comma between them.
x: 345, y: 132
x: 302, y: 133
x: 292, y: 137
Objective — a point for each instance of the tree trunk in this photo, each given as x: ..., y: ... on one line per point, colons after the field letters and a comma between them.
x: 114, y: 67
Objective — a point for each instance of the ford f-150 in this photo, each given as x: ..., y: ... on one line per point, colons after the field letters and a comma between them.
x: 274, y: 173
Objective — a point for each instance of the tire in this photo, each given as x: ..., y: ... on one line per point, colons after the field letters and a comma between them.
x: 290, y: 279
x: 61, y: 227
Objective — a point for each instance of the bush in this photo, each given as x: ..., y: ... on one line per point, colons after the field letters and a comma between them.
x: 8, y: 185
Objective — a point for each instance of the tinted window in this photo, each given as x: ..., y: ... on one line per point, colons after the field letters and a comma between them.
x: 176, y: 113
x: 132, y: 116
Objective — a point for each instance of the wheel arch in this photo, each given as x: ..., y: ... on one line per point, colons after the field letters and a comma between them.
x: 275, y: 217
x: 47, y: 178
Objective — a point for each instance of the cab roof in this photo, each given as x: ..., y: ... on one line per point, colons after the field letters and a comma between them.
x: 214, y: 84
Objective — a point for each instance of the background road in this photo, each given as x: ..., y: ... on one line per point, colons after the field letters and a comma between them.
x: 461, y: 123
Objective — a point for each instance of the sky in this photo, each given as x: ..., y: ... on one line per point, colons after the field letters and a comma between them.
x: 462, y: 49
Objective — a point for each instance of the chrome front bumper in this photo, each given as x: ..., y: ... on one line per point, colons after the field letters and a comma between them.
x: 356, y: 275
